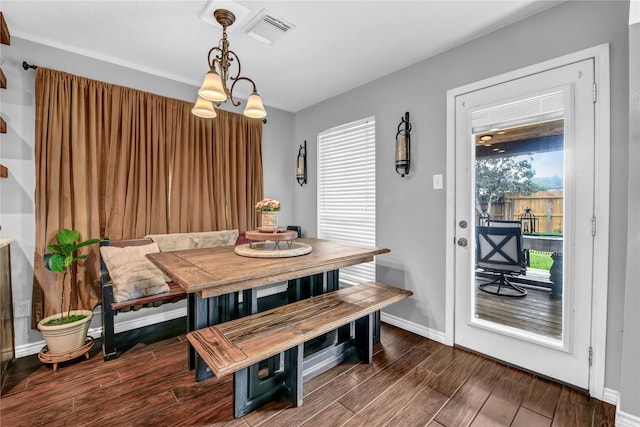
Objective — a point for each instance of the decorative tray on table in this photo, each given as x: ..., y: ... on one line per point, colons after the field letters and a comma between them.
x: 272, y: 230
x: 272, y: 244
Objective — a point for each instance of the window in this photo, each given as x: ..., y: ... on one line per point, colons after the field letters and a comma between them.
x: 347, y: 190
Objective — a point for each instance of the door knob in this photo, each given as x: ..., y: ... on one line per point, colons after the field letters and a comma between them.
x: 462, y: 242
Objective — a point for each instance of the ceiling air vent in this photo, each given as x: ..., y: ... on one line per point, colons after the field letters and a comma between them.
x: 266, y: 28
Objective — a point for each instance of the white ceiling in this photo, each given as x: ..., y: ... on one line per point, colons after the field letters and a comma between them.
x: 336, y: 45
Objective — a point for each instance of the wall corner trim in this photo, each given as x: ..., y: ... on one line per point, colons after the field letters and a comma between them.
x: 634, y: 12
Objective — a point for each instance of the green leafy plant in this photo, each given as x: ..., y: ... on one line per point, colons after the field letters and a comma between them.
x: 498, y: 176
x: 60, y: 258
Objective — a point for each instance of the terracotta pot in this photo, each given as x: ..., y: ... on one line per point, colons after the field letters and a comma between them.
x: 66, y: 338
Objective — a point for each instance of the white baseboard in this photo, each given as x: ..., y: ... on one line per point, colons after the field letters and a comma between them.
x: 610, y: 396
x: 623, y: 419
x: 626, y: 420
x: 29, y: 349
x: 96, y: 332
x: 141, y: 322
x: 413, y: 327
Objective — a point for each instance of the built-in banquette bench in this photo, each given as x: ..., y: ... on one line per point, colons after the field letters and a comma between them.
x: 130, y: 281
x: 234, y: 346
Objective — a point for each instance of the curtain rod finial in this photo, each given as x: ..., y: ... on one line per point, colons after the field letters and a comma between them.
x: 26, y: 65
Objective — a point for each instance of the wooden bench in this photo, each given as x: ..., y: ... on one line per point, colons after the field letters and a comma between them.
x: 234, y: 346
x: 110, y: 308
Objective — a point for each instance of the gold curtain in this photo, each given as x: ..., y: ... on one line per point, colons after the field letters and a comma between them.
x: 70, y: 140
x: 217, y: 174
x: 137, y: 171
x: 118, y: 162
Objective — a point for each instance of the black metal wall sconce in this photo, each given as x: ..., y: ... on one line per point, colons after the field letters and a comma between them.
x: 403, y: 146
x: 301, y: 165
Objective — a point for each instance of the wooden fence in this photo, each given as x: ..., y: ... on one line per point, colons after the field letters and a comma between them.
x: 547, y: 206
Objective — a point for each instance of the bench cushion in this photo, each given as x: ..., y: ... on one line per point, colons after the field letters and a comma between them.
x: 132, y: 274
x: 234, y: 345
x: 205, y: 239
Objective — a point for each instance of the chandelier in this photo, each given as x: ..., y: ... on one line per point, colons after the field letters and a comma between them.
x: 215, y: 88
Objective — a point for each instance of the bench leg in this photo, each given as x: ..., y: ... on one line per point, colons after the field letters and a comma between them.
x: 363, y: 340
x: 240, y: 393
x: 191, y: 326
x: 201, y: 312
x: 108, y: 327
x: 376, y: 330
x: 250, y: 393
x: 293, y: 364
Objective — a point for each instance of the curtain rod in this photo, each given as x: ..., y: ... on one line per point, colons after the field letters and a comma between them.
x: 27, y: 66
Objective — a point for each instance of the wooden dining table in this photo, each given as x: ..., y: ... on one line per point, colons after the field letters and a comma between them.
x: 222, y: 285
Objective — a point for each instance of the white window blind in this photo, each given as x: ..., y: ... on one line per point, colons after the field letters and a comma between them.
x: 539, y: 109
x: 347, y: 190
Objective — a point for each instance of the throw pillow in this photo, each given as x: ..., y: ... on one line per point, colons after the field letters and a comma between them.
x: 132, y: 274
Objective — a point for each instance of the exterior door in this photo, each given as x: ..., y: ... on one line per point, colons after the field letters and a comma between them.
x: 525, y: 155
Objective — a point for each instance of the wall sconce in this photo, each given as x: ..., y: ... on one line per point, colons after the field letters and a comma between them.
x: 403, y: 146
x: 301, y: 165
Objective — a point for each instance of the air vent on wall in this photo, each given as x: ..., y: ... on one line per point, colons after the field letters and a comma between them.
x: 266, y: 28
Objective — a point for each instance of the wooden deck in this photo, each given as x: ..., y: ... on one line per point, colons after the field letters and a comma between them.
x: 412, y: 381
x: 536, y: 312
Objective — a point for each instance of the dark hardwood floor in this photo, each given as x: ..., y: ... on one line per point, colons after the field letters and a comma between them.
x: 412, y: 381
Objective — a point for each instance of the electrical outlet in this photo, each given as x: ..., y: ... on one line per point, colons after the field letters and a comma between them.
x: 22, y: 308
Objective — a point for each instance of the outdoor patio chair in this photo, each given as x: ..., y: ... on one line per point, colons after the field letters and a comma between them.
x: 499, y: 250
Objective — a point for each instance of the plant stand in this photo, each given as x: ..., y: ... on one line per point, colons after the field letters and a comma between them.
x: 46, y: 357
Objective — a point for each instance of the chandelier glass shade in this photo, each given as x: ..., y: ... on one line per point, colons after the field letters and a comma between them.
x: 212, y: 88
x: 215, y: 88
x: 204, y: 108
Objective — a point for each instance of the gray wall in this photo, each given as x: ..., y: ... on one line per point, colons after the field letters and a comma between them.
x: 410, y: 214
x: 630, y: 381
x: 17, y: 211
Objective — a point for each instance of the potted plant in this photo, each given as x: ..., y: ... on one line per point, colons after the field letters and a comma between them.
x: 65, y: 331
x: 269, y: 214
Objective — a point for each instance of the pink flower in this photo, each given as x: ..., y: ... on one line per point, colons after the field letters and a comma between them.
x: 268, y: 205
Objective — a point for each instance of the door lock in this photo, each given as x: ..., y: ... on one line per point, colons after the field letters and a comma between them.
x: 463, y: 224
x: 462, y: 242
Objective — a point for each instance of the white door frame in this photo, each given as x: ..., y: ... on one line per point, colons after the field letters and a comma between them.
x: 600, y: 54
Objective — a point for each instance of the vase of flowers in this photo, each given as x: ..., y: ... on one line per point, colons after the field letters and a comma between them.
x: 269, y: 214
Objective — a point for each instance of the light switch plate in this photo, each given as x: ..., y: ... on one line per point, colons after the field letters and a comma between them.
x: 437, y: 182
